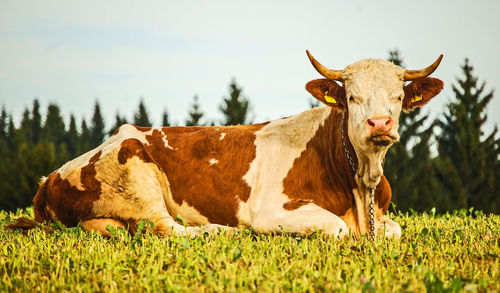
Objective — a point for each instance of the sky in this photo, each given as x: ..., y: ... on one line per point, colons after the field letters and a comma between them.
x: 165, y: 52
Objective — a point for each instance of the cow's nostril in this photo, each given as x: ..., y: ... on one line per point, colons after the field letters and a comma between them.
x: 380, y: 123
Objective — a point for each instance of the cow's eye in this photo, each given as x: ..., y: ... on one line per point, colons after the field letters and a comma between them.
x: 351, y: 99
x: 400, y: 99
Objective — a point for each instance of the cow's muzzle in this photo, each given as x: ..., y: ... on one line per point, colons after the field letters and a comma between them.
x: 380, y: 131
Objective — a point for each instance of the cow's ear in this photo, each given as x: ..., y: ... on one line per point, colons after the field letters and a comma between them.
x: 327, y: 91
x: 420, y: 91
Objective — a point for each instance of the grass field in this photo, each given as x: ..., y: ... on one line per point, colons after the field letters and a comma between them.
x: 438, y: 253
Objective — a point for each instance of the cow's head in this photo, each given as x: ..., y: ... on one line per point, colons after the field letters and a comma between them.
x: 373, y: 91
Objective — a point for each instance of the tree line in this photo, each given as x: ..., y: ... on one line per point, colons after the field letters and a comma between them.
x: 37, y: 146
x: 448, y: 163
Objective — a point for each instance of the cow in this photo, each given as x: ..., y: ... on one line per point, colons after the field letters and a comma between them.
x: 320, y: 170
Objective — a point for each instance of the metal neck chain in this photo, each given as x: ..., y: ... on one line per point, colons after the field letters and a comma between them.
x: 372, y: 214
x: 349, y: 158
x: 371, y: 209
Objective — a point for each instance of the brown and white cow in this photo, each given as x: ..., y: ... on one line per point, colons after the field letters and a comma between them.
x: 288, y: 175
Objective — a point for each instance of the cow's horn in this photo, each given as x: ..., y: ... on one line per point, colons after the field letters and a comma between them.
x: 328, y: 73
x: 414, y: 74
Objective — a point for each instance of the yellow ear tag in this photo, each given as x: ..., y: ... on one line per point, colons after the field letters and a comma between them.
x: 329, y: 99
x: 416, y: 99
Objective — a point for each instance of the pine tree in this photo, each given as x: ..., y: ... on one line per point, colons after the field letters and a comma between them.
x: 195, y: 114
x: 469, y: 161
x: 11, y: 133
x: 36, y: 122
x: 395, y: 58
x: 25, y: 128
x: 97, y: 128
x: 235, y: 107
x: 141, y: 117
x: 5, y: 151
x: 409, y: 162
x: 165, y: 121
x: 119, y: 121
x: 8, y: 151
x: 31, y: 124
x: 53, y: 128
x: 3, y: 123
x: 84, y: 141
x: 72, y: 137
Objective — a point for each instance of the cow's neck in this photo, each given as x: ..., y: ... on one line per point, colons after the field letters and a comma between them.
x: 339, y: 164
x: 333, y: 185
x: 367, y: 165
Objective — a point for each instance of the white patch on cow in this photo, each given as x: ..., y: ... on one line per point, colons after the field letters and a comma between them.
x: 278, y: 144
x: 362, y: 77
x: 188, y: 213
x: 389, y: 228
x: 133, y: 190
x: 361, y: 206
x: 129, y: 131
x: 213, y: 161
x: 222, y: 136
x: 305, y: 220
x: 243, y: 215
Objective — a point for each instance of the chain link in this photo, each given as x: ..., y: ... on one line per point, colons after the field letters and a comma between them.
x: 349, y: 158
x: 372, y: 215
x: 371, y: 209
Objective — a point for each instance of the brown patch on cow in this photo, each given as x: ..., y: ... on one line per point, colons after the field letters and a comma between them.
x: 40, y: 201
x: 319, y: 88
x: 322, y: 173
x: 133, y: 148
x: 383, y: 195
x: 141, y: 128
x: 214, y: 190
x: 68, y: 203
x: 420, y: 91
x: 294, y: 204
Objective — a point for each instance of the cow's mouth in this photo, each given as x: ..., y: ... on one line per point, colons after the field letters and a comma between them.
x: 382, y: 139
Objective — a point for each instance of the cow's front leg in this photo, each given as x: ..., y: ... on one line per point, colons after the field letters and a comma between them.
x: 304, y: 220
x: 390, y: 228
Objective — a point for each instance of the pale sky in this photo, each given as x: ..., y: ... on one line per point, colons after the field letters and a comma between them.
x: 72, y: 53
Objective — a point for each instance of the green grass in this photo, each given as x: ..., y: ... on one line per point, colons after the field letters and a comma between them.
x: 448, y: 253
